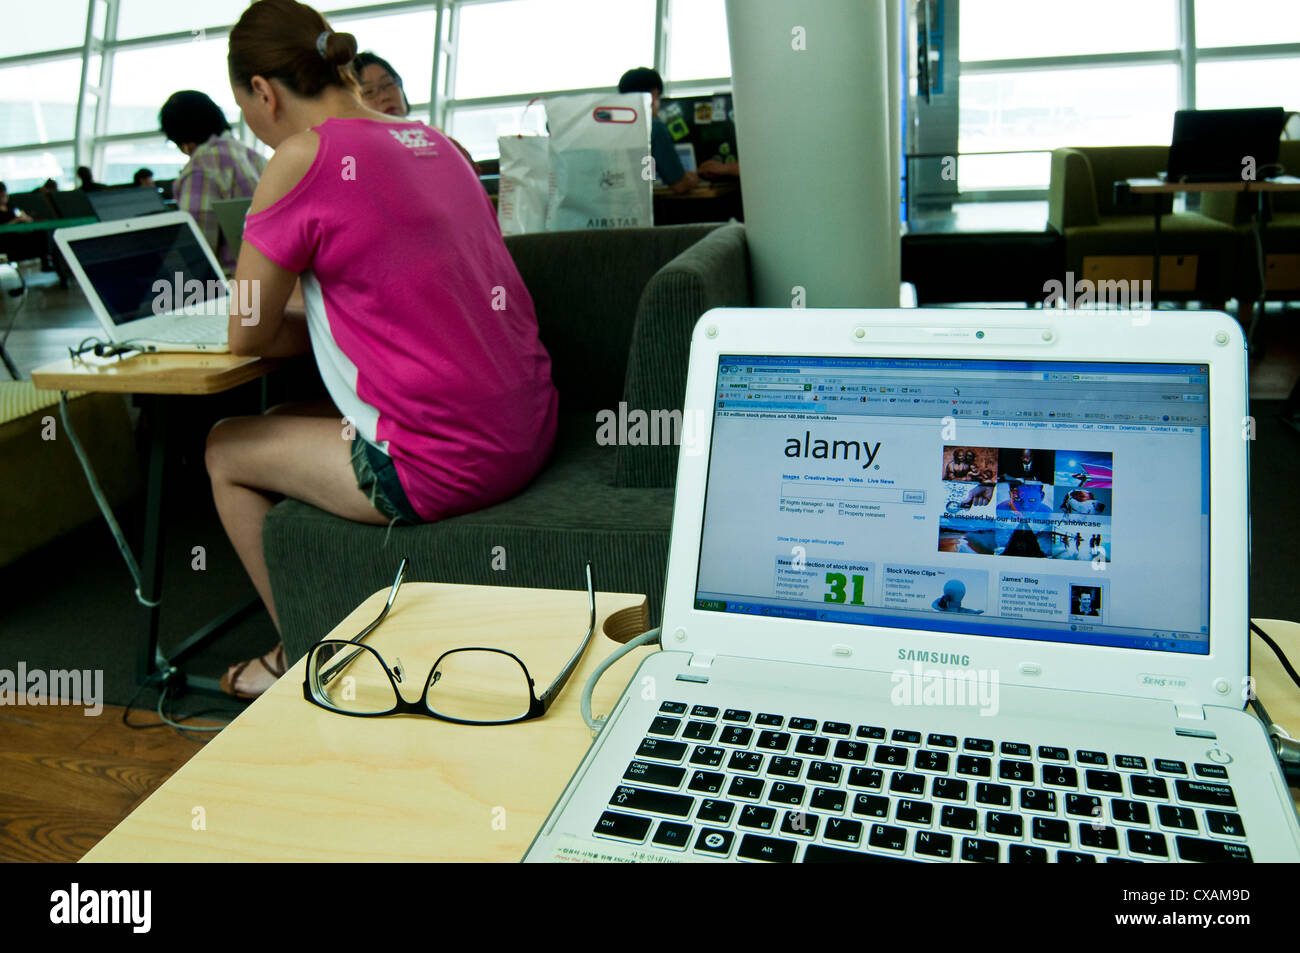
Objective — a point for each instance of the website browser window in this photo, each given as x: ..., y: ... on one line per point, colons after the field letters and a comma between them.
x: 1054, y: 501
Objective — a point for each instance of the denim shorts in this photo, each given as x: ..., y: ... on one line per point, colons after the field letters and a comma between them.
x: 377, y: 479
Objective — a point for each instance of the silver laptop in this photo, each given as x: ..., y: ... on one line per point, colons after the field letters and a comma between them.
x: 941, y: 588
x: 231, y: 214
x: 153, y: 282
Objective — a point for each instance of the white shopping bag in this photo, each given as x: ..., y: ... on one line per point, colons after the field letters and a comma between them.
x: 601, y: 170
x: 524, y: 183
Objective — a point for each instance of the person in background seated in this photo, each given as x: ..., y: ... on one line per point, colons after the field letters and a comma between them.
x: 382, y: 91
x: 668, y: 165
x: 418, y: 319
x: 8, y: 214
x: 220, y: 166
x: 86, y: 180
x: 143, y: 179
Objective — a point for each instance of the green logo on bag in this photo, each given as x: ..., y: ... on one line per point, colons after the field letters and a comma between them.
x: 611, y: 179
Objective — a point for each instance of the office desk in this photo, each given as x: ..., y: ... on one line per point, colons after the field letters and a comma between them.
x: 44, y: 225
x: 157, y: 379
x: 289, y: 780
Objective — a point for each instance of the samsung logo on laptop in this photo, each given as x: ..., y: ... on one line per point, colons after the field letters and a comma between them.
x: 938, y: 658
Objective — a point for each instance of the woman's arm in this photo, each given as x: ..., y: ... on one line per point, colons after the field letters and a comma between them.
x: 260, y: 321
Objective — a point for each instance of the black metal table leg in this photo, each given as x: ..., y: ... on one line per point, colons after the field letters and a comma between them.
x: 1155, y: 264
x: 152, y: 553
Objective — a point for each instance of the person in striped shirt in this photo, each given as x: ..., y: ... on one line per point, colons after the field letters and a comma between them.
x: 220, y: 166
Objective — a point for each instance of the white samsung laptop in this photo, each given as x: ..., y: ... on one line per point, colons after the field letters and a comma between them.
x: 947, y: 586
x: 152, y: 281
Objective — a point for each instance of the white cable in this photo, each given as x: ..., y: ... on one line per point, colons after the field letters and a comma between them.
x: 595, y: 724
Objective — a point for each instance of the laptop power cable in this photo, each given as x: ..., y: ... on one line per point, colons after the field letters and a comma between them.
x: 598, y: 722
x: 1285, y: 747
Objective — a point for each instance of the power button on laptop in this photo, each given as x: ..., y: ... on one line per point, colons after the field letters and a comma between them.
x: 1219, y: 756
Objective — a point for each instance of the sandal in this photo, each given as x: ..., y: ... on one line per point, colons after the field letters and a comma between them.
x: 229, y: 679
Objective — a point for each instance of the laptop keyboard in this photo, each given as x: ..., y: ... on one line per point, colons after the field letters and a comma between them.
x: 743, y: 785
x: 193, y: 330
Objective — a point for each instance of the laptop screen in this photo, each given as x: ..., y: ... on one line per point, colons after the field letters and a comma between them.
x: 145, y: 272
x: 113, y: 204
x: 1052, y: 501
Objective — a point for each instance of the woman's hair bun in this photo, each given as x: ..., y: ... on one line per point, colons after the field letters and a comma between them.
x: 340, y: 49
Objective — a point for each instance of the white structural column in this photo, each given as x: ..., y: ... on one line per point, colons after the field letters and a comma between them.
x: 811, y: 87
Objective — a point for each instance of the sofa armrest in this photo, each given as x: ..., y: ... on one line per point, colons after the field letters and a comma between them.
x: 712, y: 273
x: 1072, y: 198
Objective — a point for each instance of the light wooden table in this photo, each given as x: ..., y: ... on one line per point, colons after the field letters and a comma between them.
x: 289, y: 780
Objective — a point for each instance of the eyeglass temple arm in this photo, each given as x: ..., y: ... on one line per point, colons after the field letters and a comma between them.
x: 328, y: 673
x: 554, y: 690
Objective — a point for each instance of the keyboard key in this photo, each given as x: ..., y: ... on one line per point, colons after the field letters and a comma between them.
x: 753, y: 847
x: 1106, y: 781
x: 699, y: 731
x: 1210, y: 852
x: 1129, y: 812
x: 1096, y: 758
x: 654, y: 802
x: 866, y: 778
x: 823, y: 772
x: 1148, y: 843
x: 735, y: 735
x: 769, y: 721
x: 623, y: 826
x: 1146, y: 786
x: 914, y: 812
x: 834, y: 855
x: 774, y: 740
x: 661, y: 750
x: 707, y: 757
x: 934, y: 844
x: 854, y: 751
x: 1170, y: 767
x: 949, y: 789
x: 1229, y: 825
x: 843, y: 830
x: 673, y: 835
x: 999, y: 795
x: 803, y: 724
x: 1016, y: 771
x: 799, y: 824
x: 1182, y: 818
x: 707, y: 782
x: 1049, y: 753
x: 758, y: 818
x: 941, y: 741
x: 673, y: 708
x: 980, y: 851
x: 1098, y: 838
x: 889, y: 754
x: 782, y: 793
x: 1083, y: 805
x: 905, y: 737
x: 666, y: 727
x: 931, y: 761
x: 1130, y: 762
x: 900, y: 782
x: 1210, y: 771
x: 1061, y: 777
x: 781, y: 767
x: 1032, y: 799
x: 812, y: 745
x: 1016, y: 749
x: 1212, y: 795
x: 978, y: 744
x: 890, y: 838
x: 745, y: 761
x: 1071, y: 857
x: 1050, y: 829
x: 750, y: 788
x: 712, y: 841
x: 871, y: 805
x: 828, y: 799
x: 974, y: 765
x: 870, y: 732
x: 661, y: 774
x: 1005, y: 825
x: 1023, y: 854
x: 715, y: 812
x: 959, y: 818
x: 736, y: 715
x: 836, y: 727
x: 704, y: 711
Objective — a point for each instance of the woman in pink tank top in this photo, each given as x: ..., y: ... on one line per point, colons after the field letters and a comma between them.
x: 441, y: 399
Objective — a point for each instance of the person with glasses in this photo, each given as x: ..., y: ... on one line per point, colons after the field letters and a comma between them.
x: 441, y: 400
x: 382, y: 91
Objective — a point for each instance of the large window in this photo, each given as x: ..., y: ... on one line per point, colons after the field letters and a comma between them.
x: 144, y: 77
x: 697, y: 47
x: 48, y: 25
x: 38, y: 103
x: 1018, y: 29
